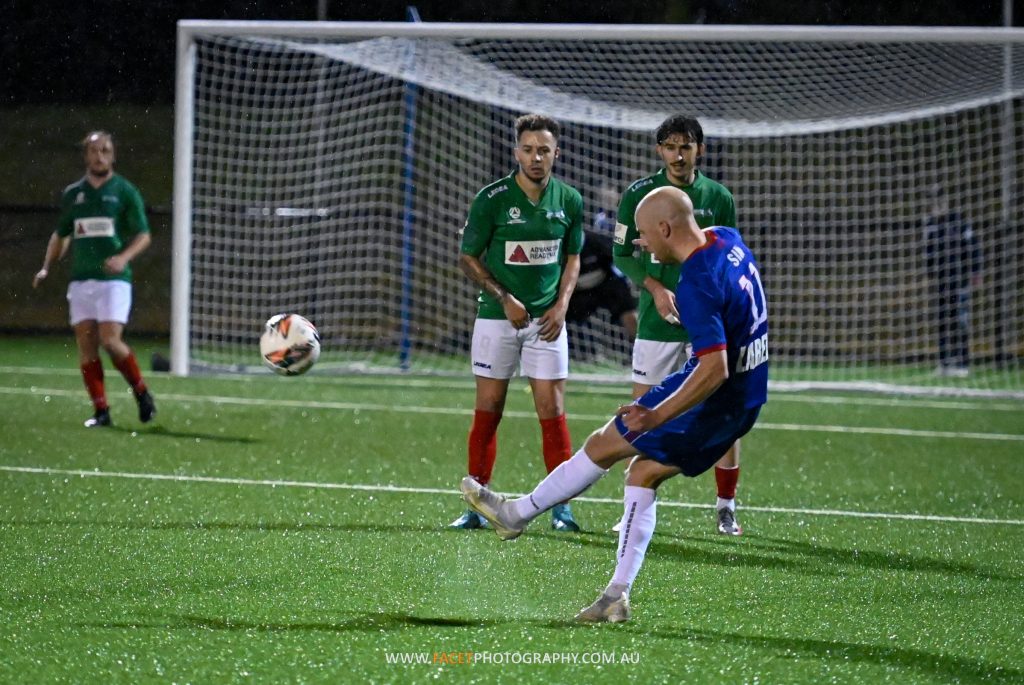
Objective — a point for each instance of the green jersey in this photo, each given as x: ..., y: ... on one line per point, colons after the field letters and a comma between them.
x: 101, y: 222
x: 712, y: 206
x: 524, y: 245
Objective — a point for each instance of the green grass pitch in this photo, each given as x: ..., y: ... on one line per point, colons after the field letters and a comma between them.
x: 268, y: 529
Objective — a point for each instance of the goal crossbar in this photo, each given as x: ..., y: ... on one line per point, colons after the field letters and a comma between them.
x: 826, y: 135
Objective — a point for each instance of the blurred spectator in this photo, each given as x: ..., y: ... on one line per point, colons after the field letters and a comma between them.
x: 601, y: 285
x: 953, y: 261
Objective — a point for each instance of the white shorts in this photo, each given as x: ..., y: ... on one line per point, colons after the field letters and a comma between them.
x: 653, y: 361
x: 498, y: 349
x: 100, y: 301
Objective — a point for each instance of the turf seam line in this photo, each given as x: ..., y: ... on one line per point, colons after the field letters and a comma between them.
x: 439, y: 491
x: 981, y: 403
x: 450, y: 411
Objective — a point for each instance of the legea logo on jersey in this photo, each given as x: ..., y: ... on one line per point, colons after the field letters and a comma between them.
x: 94, y: 227
x: 532, y: 252
x: 700, y: 211
x: 641, y: 183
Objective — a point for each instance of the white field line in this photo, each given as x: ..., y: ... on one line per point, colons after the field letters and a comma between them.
x: 439, y: 491
x: 580, y: 387
x: 453, y: 411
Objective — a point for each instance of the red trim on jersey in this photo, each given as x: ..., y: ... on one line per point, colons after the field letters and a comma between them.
x: 709, y: 350
x: 712, y: 239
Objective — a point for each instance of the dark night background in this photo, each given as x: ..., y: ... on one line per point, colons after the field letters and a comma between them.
x: 69, y: 67
x: 124, y: 50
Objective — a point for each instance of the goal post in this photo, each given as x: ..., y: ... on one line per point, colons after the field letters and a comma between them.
x: 326, y: 169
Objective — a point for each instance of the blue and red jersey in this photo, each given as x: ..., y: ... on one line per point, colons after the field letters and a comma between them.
x: 722, y: 304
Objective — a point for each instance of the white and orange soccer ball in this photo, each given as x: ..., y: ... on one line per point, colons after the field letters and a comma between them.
x: 290, y: 344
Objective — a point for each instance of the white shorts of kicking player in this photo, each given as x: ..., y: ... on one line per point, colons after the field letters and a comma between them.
x: 653, y: 360
x: 499, y: 349
x: 94, y: 300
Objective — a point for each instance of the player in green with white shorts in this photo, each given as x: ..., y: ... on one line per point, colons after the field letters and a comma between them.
x: 104, y: 222
x: 661, y: 343
x: 521, y: 245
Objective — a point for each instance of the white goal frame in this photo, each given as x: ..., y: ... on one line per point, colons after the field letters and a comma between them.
x: 190, y: 30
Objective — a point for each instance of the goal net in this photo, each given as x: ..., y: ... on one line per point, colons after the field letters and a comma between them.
x: 326, y: 170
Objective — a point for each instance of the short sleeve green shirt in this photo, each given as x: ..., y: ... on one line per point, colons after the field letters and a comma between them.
x: 713, y: 205
x: 101, y: 222
x: 524, y: 245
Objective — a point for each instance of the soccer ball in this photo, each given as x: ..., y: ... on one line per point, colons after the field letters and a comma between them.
x: 290, y: 344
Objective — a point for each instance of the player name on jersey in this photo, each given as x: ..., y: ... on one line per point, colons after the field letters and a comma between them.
x: 753, y: 355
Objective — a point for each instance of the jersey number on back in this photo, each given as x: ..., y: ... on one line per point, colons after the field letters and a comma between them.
x: 758, y: 312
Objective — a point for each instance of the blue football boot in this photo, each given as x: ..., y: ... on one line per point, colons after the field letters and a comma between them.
x: 562, y: 519
x: 469, y: 521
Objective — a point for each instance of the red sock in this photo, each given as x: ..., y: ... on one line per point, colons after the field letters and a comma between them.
x: 92, y: 374
x: 727, y: 479
x: 556, y: 443
x: 129, y: 368
x: 483, y: 445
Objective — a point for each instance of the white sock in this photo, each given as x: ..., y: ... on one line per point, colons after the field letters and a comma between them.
x: 729, y: 504
x: 569, y: 479
x: 638, y: 521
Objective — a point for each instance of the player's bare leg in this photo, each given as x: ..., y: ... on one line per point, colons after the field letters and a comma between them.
x: 602, y: 450
x: 87, y: 339
x: 640, y: 389
x: 639, y: 518
x: 110, y: 333
x: 727, y: 474
x: 482, y: 444
x: 549, y: 401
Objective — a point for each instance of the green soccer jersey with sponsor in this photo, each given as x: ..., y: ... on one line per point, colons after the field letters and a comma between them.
x: 101, y: 222
x: 712, y: 206
x: 524, y: 245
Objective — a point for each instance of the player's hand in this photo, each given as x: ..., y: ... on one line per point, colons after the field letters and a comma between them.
x: 638, y: 418
x: 114, y: 265
x: 39, y: 277
x: 551, y: 324
x: 515, y: 312
x: 665, y: 302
